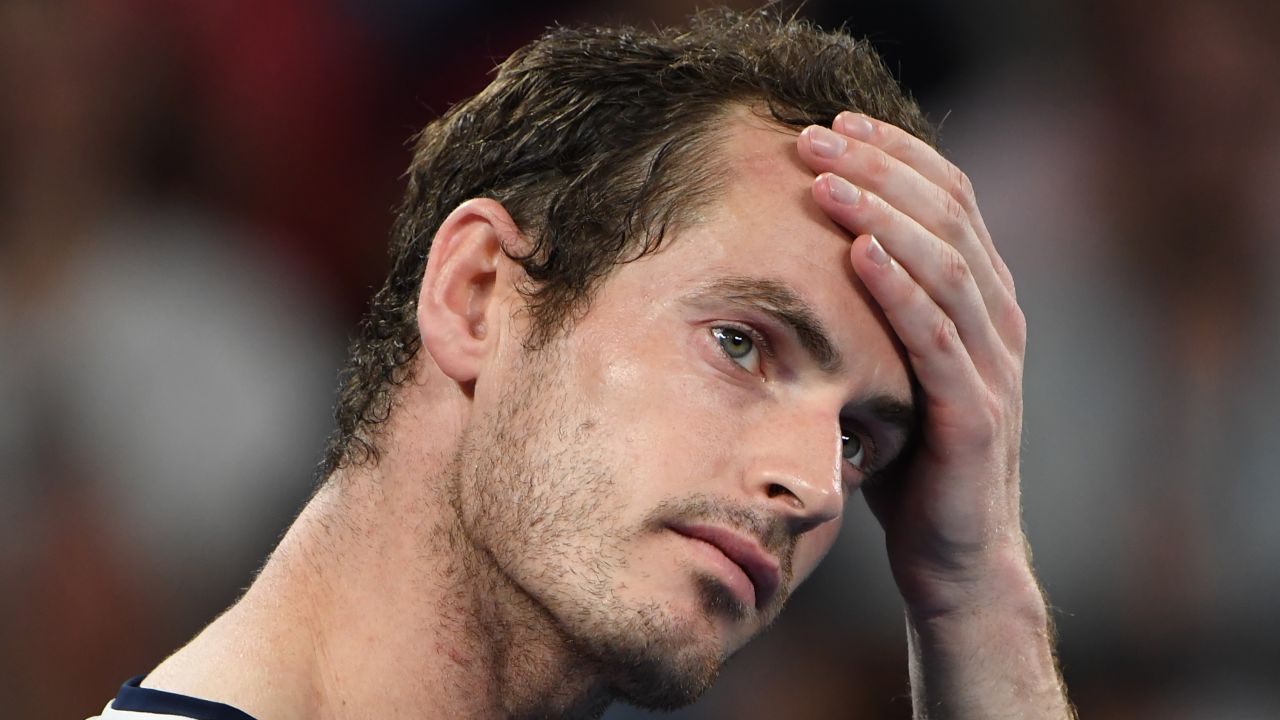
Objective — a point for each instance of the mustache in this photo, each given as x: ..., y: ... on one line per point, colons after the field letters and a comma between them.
x: 772, y: 531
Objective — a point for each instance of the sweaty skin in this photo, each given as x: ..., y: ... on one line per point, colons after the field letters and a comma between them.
x: 614, y: 515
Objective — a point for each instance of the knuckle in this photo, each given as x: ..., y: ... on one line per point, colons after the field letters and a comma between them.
x: 900, y: 299
x: 1009, y: 374
x: 1015, y: 381
x: 870, y: 207
x: 961, y: 188
x: 955, y: 219
x: 877, y: 163
x: 955, y: 270
x: 1015, y: 324
x: 979, y: 426
x: 1005, y: 274
x: 991, y: 419
x: 900, y: 145
x: 946, y: 338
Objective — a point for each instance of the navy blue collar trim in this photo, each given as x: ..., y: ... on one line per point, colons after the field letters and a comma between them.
x: 146, y: 700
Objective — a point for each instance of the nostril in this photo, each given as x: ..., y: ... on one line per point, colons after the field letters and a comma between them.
x: 779, y: 490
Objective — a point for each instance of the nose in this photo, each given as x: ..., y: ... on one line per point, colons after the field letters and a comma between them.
x: 795, y: 470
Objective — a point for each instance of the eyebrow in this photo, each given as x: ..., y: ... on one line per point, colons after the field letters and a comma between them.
x: 894, y: 412
x: 901, y: 416
x: 777, y: 299
x: 784, y: 305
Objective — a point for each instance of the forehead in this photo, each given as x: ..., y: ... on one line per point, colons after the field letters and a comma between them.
x: 766, y: 210
x: 766, y: 225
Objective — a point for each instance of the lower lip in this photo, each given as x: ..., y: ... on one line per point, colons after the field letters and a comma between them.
x: 726, y: 570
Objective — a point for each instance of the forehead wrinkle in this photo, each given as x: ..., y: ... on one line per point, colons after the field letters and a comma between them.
x: 778, y: 299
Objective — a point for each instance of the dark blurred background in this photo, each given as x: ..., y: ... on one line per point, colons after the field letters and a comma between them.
x: 194, y: 200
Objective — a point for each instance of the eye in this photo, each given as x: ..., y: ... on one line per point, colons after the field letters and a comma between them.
x: 740, y: 346
x: 853, y: 450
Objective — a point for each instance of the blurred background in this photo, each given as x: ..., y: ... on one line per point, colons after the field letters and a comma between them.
x: 194, y: 201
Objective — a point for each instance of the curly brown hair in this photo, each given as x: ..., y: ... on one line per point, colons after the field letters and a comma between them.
x: 596, y: 142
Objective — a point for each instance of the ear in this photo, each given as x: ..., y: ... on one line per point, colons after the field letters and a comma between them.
x: 459, y: 304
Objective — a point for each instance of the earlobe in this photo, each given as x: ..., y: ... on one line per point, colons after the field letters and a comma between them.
x: 462, y: 286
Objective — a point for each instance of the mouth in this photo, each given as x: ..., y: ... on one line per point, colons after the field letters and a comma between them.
x: 746, y: 553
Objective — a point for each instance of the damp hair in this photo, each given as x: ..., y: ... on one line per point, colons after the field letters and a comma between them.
x: 596, y: 141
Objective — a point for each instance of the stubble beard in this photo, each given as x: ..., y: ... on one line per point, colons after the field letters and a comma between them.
x: 537, y: 502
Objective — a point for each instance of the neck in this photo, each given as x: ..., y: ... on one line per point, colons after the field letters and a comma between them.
x: 376, y: 604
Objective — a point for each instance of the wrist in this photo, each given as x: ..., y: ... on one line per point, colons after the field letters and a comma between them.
x: 990, y: 656
x: 1000, y: 583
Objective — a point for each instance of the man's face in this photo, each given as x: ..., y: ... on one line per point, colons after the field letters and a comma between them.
x: 663, y: 475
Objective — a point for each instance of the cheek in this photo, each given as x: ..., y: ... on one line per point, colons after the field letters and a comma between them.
x: 665, y: 412
x: 699, y: 425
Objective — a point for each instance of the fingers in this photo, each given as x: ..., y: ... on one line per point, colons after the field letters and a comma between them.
x: 938, y: 355
x: 917, y: 154
x: 913, y: 192
x: 938, y: 268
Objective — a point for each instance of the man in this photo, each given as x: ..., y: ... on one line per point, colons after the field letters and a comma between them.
x: 653, y: 316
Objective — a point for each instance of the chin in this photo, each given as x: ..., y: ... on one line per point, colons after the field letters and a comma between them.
x: 665, y: 674
x: 664, y: 656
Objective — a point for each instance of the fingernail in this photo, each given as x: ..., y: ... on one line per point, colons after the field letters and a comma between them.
x: 855, y: 125
x: 876, y: 252
x: 824, y: 142
x: 842, y: 191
